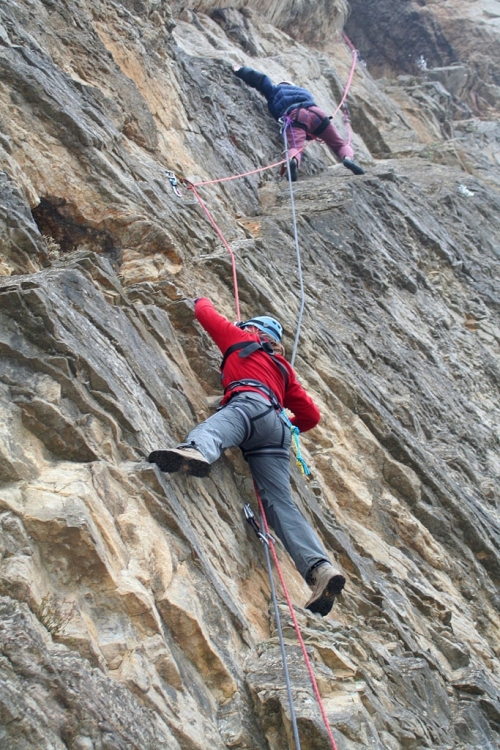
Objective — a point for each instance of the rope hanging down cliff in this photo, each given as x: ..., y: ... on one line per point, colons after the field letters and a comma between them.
x: 268, y: 544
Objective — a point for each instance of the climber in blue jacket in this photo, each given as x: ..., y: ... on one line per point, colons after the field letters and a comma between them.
x: 307, y: 120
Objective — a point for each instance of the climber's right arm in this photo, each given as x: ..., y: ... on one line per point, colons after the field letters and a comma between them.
x: 219, y: 328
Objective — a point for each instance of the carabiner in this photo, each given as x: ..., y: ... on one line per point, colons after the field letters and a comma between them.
x: 173, y: 181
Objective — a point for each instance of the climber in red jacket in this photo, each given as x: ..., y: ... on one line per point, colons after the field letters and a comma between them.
x: 258, y: 383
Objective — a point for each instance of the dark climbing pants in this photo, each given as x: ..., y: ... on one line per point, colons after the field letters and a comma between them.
x: 250, y: 422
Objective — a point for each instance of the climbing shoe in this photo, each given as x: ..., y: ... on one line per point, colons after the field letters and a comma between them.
x: 294, y: 169
x: 351, y: 164
x: 326, y: 583
x: 175, y: 459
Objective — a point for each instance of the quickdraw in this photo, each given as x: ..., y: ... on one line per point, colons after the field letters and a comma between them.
x: 173, y: 181
x: 250, y: 517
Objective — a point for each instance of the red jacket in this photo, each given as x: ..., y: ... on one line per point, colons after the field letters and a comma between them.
x: 258, y: 366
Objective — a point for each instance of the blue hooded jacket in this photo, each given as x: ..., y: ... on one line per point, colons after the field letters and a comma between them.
x: 280, y: 99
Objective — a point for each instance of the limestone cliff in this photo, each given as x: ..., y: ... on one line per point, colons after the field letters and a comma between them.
x: 134, y: 606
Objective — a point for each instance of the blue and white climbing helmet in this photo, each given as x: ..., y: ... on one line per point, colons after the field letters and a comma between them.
x: 265, y: 324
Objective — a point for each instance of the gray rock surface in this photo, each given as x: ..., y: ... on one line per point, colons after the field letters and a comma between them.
x: 134, y: 606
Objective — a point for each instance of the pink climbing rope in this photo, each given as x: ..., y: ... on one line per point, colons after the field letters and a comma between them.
x: 348, y: 42
x: 243, y: 174
x: 351, y: 74
x: 295, y: 623
x: 226, y: 245
x: 193, y: 185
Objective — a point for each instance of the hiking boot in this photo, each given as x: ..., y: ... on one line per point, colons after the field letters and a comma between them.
x: 326, y: 583
x: 351, y: 164
x: 294, y: 169
x: 182, y: 457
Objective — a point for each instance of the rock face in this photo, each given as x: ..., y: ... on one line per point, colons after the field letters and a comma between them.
x: 134, y: 606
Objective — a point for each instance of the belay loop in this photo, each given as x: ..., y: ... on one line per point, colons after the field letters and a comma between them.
x: 299, y: 460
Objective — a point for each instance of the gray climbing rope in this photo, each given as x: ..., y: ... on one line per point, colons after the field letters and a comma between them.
x: 250, y: 517
x: 297, y: 247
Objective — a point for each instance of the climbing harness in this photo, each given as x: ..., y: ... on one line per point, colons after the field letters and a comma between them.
x: 246, y: 348
x: 322, y: 126
x: 275, y: 404
x: 295, y: 123
x: 256, y: 385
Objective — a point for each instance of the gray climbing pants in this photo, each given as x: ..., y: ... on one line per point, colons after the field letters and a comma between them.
x: 252, y: 423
